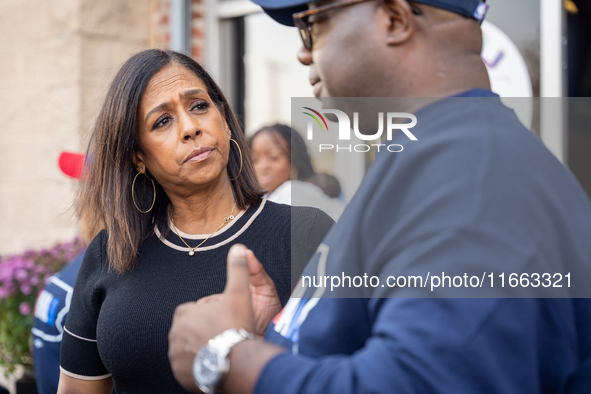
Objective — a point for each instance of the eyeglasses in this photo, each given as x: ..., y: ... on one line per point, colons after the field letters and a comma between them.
x: 301, y: 19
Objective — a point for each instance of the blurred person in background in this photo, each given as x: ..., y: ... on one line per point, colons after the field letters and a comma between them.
x: 172, y: 183
x: 475, y: 190
x: 283, y: 167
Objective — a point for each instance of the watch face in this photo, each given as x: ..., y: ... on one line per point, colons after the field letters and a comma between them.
x: 207, y: 367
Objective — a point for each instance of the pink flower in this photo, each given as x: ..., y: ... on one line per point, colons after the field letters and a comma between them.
x: 26, y: 289
x: 3, y: 292
x: 24, y: 309
x: 5, y: 274
x: 20, y: 274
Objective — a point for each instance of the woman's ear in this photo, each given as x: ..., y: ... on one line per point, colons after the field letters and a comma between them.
x: 138, y: 161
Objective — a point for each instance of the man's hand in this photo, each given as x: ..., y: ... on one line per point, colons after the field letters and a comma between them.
x: 195, y: 323
x: 265, y: 301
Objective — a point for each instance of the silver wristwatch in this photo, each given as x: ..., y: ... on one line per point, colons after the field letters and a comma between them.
x: 211, y: 364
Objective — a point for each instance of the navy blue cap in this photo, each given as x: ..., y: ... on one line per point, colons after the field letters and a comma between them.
x: 282, y: 10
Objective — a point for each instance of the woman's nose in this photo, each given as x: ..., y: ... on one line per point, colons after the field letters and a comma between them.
x: 190, y: 127
x: 261, y: 166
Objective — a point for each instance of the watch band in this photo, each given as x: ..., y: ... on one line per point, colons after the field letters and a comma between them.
x: 229, y: 338
x: 211, y: 364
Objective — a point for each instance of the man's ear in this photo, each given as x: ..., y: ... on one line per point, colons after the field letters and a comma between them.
x: 138, y: 160
x: 400, y: 21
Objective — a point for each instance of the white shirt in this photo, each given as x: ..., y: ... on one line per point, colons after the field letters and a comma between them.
x: 304, y: 194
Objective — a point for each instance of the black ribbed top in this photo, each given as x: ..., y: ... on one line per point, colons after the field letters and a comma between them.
x: 118, y: 323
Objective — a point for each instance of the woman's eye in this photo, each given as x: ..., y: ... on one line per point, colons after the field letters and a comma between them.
x: 163, y: 121
x: 200, y: 106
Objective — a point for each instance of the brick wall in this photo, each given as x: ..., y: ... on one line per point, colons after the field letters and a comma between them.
x: 197, y: 27
x: 160, y: 26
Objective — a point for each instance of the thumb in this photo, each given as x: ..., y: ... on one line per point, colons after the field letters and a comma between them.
x: 258, y: 275
x: 237, y: 270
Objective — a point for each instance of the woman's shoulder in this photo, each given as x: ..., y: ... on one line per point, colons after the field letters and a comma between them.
x: 276, y: 208
x: 95, y: 255
x: 299, y: 217
x: 98, y: 243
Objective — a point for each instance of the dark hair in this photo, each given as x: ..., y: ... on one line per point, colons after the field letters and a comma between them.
x: 328, y: 183
x: 298, y: 152
x: 106, y: 196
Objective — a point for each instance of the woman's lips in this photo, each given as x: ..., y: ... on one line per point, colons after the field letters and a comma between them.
x: 200, y: 157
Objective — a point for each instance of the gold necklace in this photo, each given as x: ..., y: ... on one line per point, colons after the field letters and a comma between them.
x: 192, y: 250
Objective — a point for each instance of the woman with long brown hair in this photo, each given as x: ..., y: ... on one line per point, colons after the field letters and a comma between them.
x: 171, y: 180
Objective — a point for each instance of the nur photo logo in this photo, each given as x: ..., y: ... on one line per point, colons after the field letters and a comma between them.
x: 395, y: 121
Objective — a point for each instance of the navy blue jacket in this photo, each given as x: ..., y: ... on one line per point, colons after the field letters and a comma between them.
x: 476, y: 189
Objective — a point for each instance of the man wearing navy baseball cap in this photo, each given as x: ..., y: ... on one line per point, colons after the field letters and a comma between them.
x: 476, y: 189
x: 283, y: 10
x: 369, y: 48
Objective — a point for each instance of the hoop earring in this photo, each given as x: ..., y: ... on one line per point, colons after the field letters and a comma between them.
x: 133, y: 192
x: 240, y: 151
